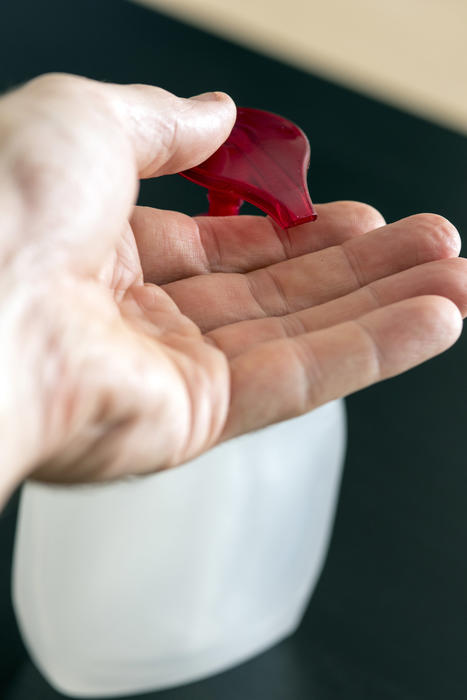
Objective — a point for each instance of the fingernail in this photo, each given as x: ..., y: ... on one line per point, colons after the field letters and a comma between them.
x: 208, y: 97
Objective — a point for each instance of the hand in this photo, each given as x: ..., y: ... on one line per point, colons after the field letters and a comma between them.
x: 134, y: 339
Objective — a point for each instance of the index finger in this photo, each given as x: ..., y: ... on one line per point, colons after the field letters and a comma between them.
x: 173, y: 246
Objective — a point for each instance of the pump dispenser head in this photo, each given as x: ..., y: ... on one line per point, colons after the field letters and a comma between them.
x: 264, y: 161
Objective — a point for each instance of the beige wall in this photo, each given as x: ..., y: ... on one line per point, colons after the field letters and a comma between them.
x: 412, y: 53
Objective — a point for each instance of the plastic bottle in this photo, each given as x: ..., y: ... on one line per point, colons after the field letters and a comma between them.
x: 149, y: 583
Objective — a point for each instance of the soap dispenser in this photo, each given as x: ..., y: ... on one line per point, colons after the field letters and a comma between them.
x: 165, y: 579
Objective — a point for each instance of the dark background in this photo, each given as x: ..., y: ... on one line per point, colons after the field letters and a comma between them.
x: 389, y: 617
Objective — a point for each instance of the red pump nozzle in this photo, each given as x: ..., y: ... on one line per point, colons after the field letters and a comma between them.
x: 264, y: 161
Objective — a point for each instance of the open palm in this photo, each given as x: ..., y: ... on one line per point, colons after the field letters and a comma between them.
x: 163, y: 334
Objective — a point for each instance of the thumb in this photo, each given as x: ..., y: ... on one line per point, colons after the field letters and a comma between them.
x: 72, y: 150
x: 168, y: 133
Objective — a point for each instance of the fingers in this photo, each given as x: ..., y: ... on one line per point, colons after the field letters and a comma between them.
x: 447, y: 278
x: 285, y: 378
x: 73, y: 150
x: 283, y: 288
x: 173, y: 246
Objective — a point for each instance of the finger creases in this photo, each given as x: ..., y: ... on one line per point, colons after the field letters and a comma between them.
x: 316, y: 278
x: 447, y: 278
x: 285, y: 378
x: 174, y: 246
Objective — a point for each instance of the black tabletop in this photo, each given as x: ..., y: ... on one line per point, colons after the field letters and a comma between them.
x: 389, y: 617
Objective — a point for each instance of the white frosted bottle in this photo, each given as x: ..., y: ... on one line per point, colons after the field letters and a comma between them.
x: 150, y: 583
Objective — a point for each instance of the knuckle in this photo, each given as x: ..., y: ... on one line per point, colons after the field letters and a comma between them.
x: 57, y: 83
x: 153, y: 91
x: 76, y: 99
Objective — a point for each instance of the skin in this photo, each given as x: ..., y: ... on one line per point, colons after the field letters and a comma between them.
x: 134, y: 339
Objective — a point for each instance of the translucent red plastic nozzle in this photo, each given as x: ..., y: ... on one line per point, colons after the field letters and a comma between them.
x: 264, y: 161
